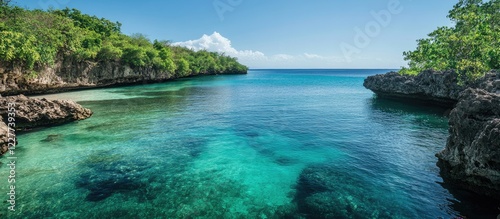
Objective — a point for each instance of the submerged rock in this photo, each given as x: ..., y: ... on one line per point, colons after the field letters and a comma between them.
x: 32, y: 113
x: 324, y: 191
x: 104, y: 179
x: 471, y: 158
x: 52, y: 138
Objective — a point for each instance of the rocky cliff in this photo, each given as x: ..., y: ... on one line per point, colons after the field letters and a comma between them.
x: 471, y: 158
x: 438, y: 87
x: 69, y: 74
x: 32, y: 112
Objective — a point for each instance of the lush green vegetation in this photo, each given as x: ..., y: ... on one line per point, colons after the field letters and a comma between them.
x: 34, y: 39
x: 471, y: 47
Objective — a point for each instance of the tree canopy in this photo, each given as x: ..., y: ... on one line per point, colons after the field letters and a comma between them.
x: 34, y: 39
x: 471, y: 47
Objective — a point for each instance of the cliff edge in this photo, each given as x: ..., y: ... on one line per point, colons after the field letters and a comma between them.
x: 471, y: 158
x: 69, y: 74
x: 441, y: 88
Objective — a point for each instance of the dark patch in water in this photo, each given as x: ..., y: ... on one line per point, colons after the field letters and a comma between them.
x: 285, y: 161
x: 194, y: 146
x: 325, y: 191
x: 105, y: 179
x: 110, y: 174
x: 261, y: 149
x: 246, y: 130
x: 310, y: 145
x: 252, y: 134
x: 470, y: 204
x: 52, y: 138
x: 182, y: 148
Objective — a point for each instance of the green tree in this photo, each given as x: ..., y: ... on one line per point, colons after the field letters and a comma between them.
x: 18, y: 48
x: 471, y: 47
x: 134, y: 56
x: 33, y: 39
x: 99, y: 25
x: 183, y: 68
x: 109, y: 53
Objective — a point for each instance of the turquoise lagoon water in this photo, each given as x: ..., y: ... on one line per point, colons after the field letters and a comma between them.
x: 270, y: 144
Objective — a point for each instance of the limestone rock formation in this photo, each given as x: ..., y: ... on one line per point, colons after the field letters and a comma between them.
x: 67, y: 74
x: 70, y: 74
x: 4, y: 138
x: 439, y: 87
x: 471, y: 158
x: 33, y: 112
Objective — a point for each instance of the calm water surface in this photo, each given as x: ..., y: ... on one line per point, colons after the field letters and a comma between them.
x: 270, y: 144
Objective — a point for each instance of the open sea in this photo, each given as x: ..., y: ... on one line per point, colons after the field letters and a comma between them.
x: 269, y: 144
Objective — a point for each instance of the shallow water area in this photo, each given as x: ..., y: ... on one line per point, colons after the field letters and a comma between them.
x: 269, y: 144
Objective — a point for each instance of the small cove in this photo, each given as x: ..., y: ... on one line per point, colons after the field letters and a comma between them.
x: 270, y: 144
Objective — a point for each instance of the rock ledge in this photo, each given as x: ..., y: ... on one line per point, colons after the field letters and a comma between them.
x: 33, y: 113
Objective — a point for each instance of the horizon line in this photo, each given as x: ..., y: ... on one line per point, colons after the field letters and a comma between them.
x: 324, y: 68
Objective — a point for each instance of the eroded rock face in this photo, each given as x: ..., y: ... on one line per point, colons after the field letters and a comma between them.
x: 490, y: 83
x: 4, y: 137
x: 70, y: 74
x: 439, y: 87
x: 471, y: 158
x: 32, y: 113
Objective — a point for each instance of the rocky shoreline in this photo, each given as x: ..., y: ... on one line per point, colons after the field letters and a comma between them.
x: 65, y: 75
x: 438, y: 88
x: 69, y: 74
x: 471, y: 158
x: 32, y: 113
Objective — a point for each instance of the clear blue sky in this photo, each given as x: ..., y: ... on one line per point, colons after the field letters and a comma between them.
x: 278, y: 33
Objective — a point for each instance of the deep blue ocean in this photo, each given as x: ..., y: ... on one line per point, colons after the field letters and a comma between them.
x: 269, y: 144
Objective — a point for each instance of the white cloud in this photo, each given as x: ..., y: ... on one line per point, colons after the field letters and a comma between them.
x: 218, y: 43
x: 337, y: 59
x: 256, y: 59
x: 282, y: 57
x: 312, y: 56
